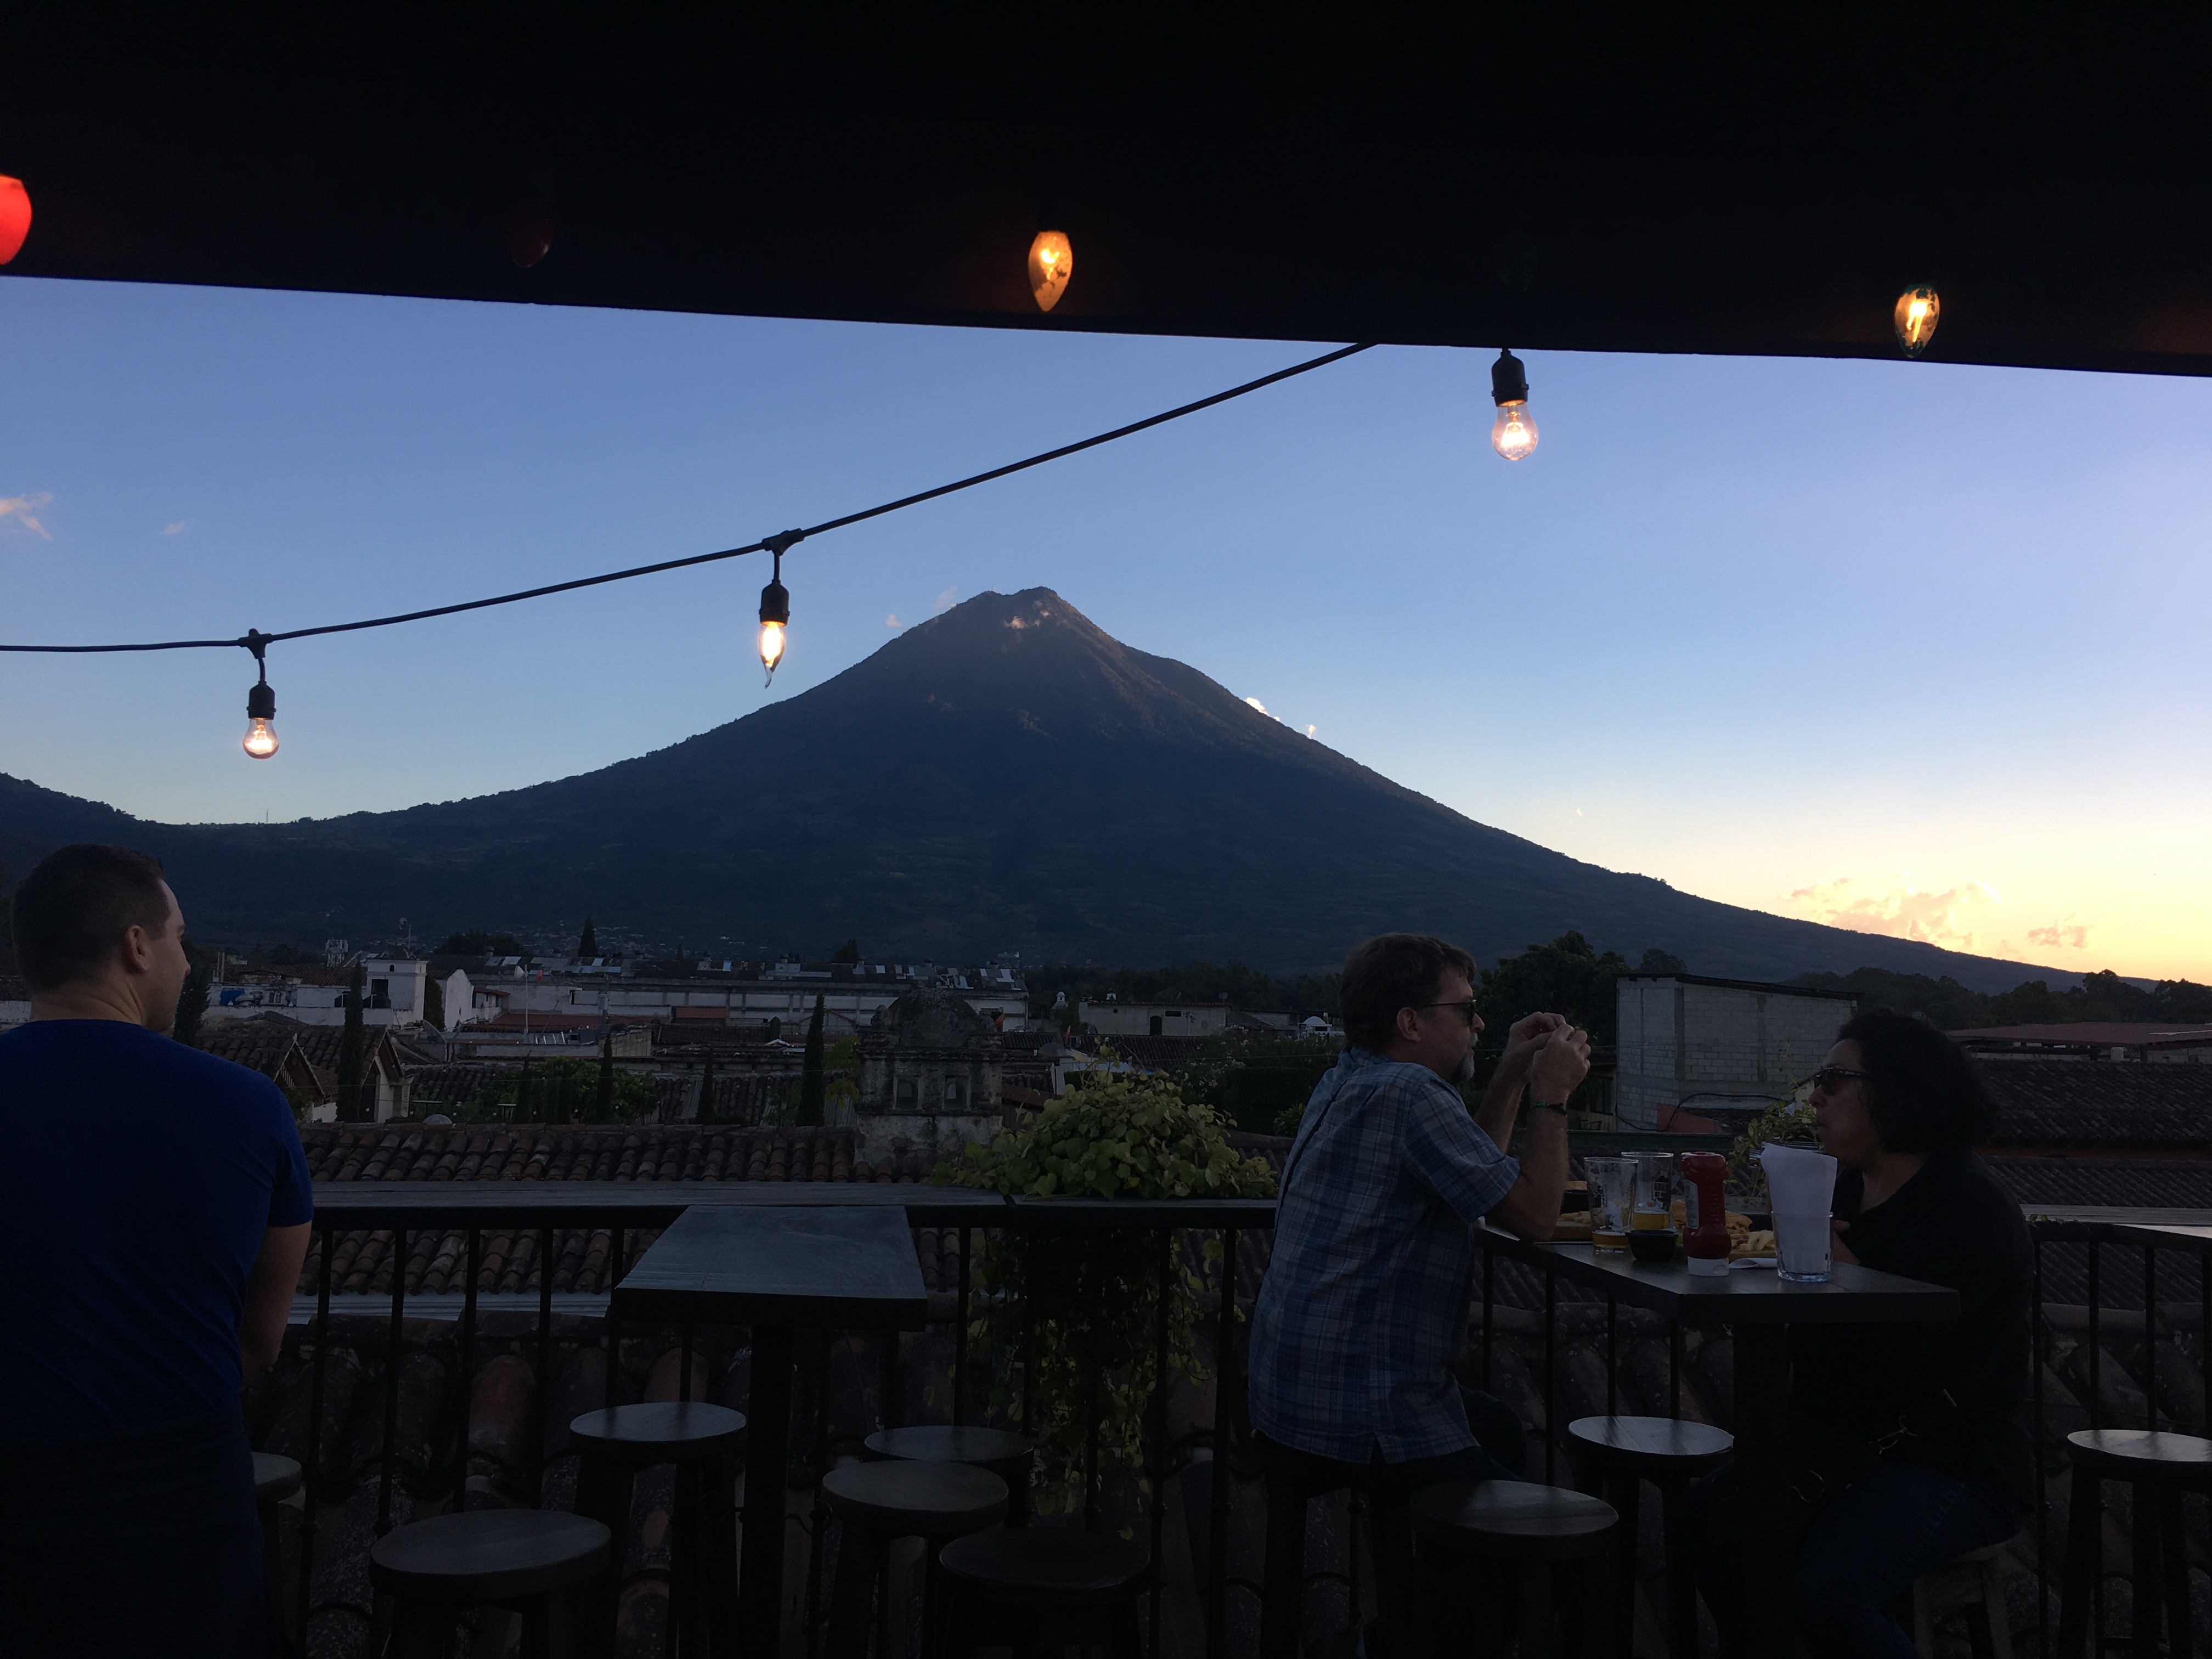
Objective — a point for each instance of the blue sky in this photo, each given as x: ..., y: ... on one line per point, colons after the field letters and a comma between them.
x: 1916, y: 646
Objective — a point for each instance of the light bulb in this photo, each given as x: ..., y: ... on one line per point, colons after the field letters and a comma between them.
x: 1918, y: 311
x: 775, y: 618
x: 1513, y: 434
x: 771, y: 646
x: 14, y: 217
x: 260, y: 737
x: 1052, y: 262
x: 260, y: 713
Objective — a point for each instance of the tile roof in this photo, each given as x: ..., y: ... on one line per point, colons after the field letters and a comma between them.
x: 436, y: 1261
x: 2103, y: 1034
x: 2100, y: 1103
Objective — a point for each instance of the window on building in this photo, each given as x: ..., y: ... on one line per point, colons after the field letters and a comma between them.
x: 1156, y: 1025
x: 908, y: 1094
x: 952, y: 1094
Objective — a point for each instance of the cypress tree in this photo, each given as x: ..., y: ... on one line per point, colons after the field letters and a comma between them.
x: 707, y: 1090
x: 809, y: 1077
x: 353, y: 1047
x: 192, y: 1001
x: 602, y: 1109
x: 588, y: 946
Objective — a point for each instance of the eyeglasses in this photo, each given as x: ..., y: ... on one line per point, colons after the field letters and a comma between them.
x: 1465, y: 1009
x: 1828, y: 1076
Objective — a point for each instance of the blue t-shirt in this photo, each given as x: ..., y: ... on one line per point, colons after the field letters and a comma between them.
x: 138, y: 1177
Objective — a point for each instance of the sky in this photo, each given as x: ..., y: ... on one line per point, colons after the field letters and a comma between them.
x: 1913, y: 648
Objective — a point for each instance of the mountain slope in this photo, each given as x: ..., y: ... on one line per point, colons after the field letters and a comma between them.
x: 1007, y: 776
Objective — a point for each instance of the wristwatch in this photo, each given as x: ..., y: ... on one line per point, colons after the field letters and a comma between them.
x: 1535, y: 1105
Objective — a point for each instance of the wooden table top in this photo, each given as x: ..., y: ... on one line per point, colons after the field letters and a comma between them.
x: 779, y: 1265
x: 1749, y: 1296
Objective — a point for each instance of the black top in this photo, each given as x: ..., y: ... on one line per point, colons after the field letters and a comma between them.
x: 1958, y: 1387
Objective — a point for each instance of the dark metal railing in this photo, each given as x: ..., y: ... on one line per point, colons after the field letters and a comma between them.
x: 628, y: 1210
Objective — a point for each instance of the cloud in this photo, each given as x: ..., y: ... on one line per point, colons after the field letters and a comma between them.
x: 2068, y: 934
x: 1901, y: 910
x: 24, y: 511
x: 946, y: 601
x: 1312, y: 731
x: 892, y: 621
x: 1262, y: 707
x: 176, y: 529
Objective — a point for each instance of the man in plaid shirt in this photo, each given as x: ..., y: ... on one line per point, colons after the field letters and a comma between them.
x: 1366, y: 1294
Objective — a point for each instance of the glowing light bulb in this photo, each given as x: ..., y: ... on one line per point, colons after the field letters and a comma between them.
x: 1052, y: 262
x: 774, y: 619
x: 1513, y: 434
x: 15, y: 217
x: 260, y: 721
x: 1918, y: 311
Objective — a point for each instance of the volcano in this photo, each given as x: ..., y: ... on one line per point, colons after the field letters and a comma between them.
x: 1004, y: 777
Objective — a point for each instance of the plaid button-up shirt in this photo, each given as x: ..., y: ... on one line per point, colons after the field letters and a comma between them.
x: 1366, y: 1293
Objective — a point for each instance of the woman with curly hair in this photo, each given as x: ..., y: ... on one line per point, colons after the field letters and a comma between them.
x: 1909, y: 1441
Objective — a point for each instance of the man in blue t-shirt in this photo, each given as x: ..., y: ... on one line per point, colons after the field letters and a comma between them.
x: 155, y: 1209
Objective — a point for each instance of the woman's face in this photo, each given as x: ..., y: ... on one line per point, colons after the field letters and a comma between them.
x: 1840, y: 1118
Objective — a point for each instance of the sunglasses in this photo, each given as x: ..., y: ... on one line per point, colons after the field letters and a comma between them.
x: 1828, y: 1079
x: 1465, y: 1009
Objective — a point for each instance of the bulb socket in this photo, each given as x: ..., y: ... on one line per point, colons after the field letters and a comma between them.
x: 776, y: 604
x: 261, y: 702
x: 1509, y: 382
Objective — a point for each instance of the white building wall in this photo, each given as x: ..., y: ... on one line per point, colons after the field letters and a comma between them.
x: 1135, y: 1018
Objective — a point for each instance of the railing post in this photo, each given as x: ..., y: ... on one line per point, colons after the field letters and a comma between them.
x: 2041, y: 1489
x: 960, y: 1341
x: 1091, y: 1380
x: 1673, y: 1368
x: 1157, y: 1458
x: 1489, y: 1301
x: 468, y: 1366
x: 540, y: 1405
x: 1551, y: 1384
x: 388, y: 1466
x: 2150, y: 1337
x: 683, y: 1365
x: 1611, y: 1355
x: 613, y: 1325
x: 2096, y: 1345
x: 310, y: 1481
x: 1217, y: 1570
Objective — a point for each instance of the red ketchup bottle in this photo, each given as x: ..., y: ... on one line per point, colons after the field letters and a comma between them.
x: 1705, y: 1240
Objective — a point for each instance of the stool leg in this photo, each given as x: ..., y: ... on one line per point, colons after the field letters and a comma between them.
x: 2145, y: 1587
x: 1998, y: 1623
x: 2085, y: 1520
x: 1284, y: 1574
x: 860, y: 1562
x: 537, y: 1628
x: 1390, y: 1523
x: 1536, y: 1611
x: 272, y: 1560
x: 1128, y: 1636
x: 718, y: 1550
x: 1626, y: 1496
x: 1682, y: 1594
x: 687, y: 1608
x: 2177, y: 1574
x: 604, y: 1493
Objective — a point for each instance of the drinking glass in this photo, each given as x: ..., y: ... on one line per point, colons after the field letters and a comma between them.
x: 1613, y: 1200
x: 1655, y: 1190
x: 1801, y: 1246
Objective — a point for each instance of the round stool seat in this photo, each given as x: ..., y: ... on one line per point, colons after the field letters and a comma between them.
x: 1053, y: 1564
x: 932, y: 1443
x: 2171, y: 1460
x: 905, y: 1500
x: 487, y: 1555
x: 1515, y: 1519
x: 1658, y: 1448
x: 660, y: 1431
x: 275, y: 1478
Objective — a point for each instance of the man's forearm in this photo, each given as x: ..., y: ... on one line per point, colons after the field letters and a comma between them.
x: 1531, y: 1206
x: 1501, y: 1104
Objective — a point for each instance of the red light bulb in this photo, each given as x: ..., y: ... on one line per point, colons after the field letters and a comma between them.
x: 15, y: 217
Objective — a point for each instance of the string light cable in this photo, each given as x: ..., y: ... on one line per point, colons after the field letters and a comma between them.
x: 258, y: 642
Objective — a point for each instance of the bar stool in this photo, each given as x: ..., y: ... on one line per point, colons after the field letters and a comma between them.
x: 1617, y: 1455
x: 1009, y: 1456
x: 2161, y: 1467
x: 1532, y: 1529
x: 521, y: 1559
x: 707, y: 1445
x: 1293, y: 1478
x: 875, y: 1503
x: 1055, y: 1581
x: 275, y: 1478
x: 1975, y: 1582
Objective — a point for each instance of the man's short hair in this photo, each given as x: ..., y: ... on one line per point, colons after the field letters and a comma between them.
x: 1389, y: 972
x: 1925, y: 1094
x: 72, y: 910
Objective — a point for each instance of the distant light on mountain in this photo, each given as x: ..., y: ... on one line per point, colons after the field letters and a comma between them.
x: 1003, y: 776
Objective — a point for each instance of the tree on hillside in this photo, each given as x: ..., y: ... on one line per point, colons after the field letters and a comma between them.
x: 588, y: 945
x: 7, y: 926
x: 849, y: 951
x: 192, y: 1000
x: 1567, y: 976
x: 477, y: 943
x: 1656, y: 961
x: 353, y: 1051
x: 810, y: 1076
x: 707, y: 1088
x: 603, y: 1101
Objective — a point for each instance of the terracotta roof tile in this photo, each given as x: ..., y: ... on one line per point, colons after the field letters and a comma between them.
x: 2082, y: 1103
